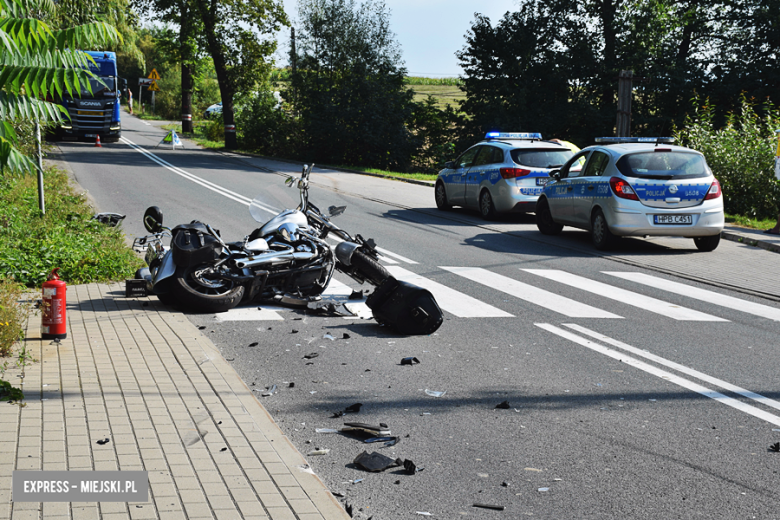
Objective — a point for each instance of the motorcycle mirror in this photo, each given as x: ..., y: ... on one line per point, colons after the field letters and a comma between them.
x: 335, y: 211
x: 289, y: 181
x: 153, y: 219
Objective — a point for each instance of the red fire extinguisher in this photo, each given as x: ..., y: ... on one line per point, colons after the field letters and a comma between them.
x: 53, y: 324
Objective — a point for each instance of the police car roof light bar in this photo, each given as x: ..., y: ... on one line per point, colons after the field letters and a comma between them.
x: 620, y: 140
x: 514, y: 135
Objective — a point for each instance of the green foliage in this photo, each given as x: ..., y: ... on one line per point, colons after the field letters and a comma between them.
x: 433, y: 131
x: 740, y: 154
x: 260, y: 113
x: 12, y: 314
x: 212, y: 130
x: 450, y: 82
x: 167, y: 102
x: 10, y: 393
x: 31, y: 245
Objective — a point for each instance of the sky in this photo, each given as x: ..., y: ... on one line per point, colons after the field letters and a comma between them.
x: 431, y: 31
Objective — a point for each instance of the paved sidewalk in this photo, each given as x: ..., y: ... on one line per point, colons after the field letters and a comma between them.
x: 135, y: 372
x: 752, y: 237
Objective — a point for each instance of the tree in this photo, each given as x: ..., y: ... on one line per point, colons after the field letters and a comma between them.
x: 351, y: 100
x: 39, y: 64
x: 233, y: 29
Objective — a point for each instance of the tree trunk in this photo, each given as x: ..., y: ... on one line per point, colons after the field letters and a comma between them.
x: 186, y: 67
x: 207, y: 11
x: 607, y: 15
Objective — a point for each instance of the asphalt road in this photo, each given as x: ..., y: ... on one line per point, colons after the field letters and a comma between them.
x: 629, y: 396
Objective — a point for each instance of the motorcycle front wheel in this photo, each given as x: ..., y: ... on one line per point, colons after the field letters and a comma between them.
x: 372, y: 270
x: 197, y: 289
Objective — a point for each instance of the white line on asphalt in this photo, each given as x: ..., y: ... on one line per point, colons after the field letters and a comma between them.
x: 730, y: 302
x: 531, y: 294
x: 396, y: 255
x: 455, y: 302
x: 667, y: 376
x: 680, y: 368
x: 667, y: 309
x: 197, y: 180
x: 250, y: 313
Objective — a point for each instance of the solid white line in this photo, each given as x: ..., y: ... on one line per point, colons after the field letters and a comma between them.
x: 667, y: 309
x: 675, y: 366
x: 531, y: 294
x: 249, y: 313
x: 667, y: 376
x: 722, y: 300
x: 198, y: 180
x: 457, y: 303
x: 396, y: 255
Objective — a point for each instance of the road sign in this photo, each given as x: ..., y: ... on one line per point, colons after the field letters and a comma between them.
x: 153, y: 87
x: 145, y: 81
x: 153, y: 75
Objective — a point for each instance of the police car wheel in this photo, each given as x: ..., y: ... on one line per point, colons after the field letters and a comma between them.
x: 602, y: 237
x: 707, y: 244
x: 441, y: 197
x: 486, y: 207
x: 544, y: 220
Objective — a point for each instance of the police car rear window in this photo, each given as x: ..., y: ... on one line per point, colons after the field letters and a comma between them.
x: 540, y: 157
x: 663, y: 165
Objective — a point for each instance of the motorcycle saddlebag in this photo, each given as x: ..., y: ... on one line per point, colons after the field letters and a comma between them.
x: 409, y: 309
x: 191, y: 247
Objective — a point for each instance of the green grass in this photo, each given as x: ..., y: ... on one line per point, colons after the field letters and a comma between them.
x: 383, y: 173
x: 444, y: 94
x: 414, y: 80
x: 31, y: 244
x: 747, y: 222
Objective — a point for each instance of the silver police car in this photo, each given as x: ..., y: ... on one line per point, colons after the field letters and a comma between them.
x: 504, y: 173
x: 638, y: 186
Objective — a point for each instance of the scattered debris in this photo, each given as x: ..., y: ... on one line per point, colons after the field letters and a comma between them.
x: 311, y: 356
x: 345, y: 336
x: 410, y: 468
x: 326, y: 430
x: 489, y: 506
x: 379, y: 439
x: 254, y: 344
x: 329, y: 336
x: 355, y: 408
x: 409, y: 361
x: 375, y: 462
x: 104, y: 441
x: 202, y: 327
x: 544, y: 489
x: 271, y: 391
x: 377, y: 431
x: 392, y: 442
x: 292, y: 385
x: 294, y: 331
x: 357, y: 480
x: 775, y: 447
x: 319, y: 451
x: 434, y: 393
x: 424, y: 513
x: 223, y: 449
x: 503, y: 406
x: 338, y: 494
x: 505, y: 484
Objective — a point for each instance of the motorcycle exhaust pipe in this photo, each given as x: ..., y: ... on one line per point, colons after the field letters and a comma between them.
x: 269, y: 258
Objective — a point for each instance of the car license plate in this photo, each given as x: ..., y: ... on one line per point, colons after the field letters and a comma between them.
x: 90, y: 135
x: 673, y: 219
x: 542, y: 181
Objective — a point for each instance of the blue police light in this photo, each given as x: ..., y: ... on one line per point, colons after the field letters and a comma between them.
x: 617, y: 140
x: 513, y: 135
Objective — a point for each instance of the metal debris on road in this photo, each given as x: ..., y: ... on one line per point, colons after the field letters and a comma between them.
x: 489, y: 506
x: 326, y: 430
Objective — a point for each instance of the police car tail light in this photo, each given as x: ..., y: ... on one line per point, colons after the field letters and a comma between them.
x: 714, y: 191
x: 512, y: 173
x: 622, y: 189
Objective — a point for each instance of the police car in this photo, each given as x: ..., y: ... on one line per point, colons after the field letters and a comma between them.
x: 213, y: 110
x: 638, y: 186
x: 503, y: 173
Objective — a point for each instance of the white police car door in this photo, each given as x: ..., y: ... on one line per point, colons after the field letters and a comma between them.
x: 589, y: 187
x: 480, y: 171
x: 455, y: 180
x: 561, y: 193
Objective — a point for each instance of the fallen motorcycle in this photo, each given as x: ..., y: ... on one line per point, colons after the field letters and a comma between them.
x: 286, y: 261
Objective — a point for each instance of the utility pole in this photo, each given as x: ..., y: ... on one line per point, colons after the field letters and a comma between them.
x: 625, y: 91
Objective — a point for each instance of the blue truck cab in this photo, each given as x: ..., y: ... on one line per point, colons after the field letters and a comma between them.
x: 95, y: 113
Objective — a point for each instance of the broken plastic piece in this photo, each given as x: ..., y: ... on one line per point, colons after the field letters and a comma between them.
x: 104, y: 441
x: 345, y: 336
x: 253, y: 344
x: 311, y: 356
x: 271, y: 391
x: 292, y: 385
x: 544, y: 489
x: 773, y: 447
x: 374, y: 462
x: 503, y: 406
x: 379, y: 439
x: 434, y: 393
x: 326, y: 430
x: 329, y: 336
x: 409, y: 361
x: 294, y: 331
x: 338, y: 494
x: 392, y: 442
x: 319, y: 451
x: 424, y: 513
x: 377, y: 431
x: 410, y: 468
x: 488, y: 506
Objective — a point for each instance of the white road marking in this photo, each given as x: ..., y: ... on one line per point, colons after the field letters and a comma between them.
x: 680, y: 368
x: 531, y: 294
x: 250, y: 313
x: 396, y: 255
x: 667, y: 376
x: 455, y: 302
x: 663, y: 308
x: 722, y: 300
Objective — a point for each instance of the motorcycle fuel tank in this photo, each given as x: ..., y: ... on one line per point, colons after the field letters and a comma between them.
x: 288, y: 216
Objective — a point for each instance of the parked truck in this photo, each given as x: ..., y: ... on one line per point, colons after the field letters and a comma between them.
x: 97, y: 112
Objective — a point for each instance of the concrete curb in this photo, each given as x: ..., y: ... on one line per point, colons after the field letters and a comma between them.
x: 750, y: 240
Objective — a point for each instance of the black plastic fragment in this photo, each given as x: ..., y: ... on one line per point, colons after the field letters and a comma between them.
x: 489, y: 506
x: 338, y: 494
x: 294, y: 331
x: 775, y: 447
x: 311, y: 356
x: 379, y: 439
x: 253, y: 344
x: 223, y: 449
x: 409, y: 361
x: 353, y: 408
x: 292, y: 385
x: 104, y: 441
x: 503, y: 406
x: 410, y: 468
x: 201, y: 327
x: 336, y: 415
x: 375, y: 462
x: 346, y: 336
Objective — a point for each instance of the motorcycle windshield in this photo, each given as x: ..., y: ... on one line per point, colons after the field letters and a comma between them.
x: 260, y: 211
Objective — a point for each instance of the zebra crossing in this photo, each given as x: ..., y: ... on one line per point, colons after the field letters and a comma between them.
x: 461, y: 305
